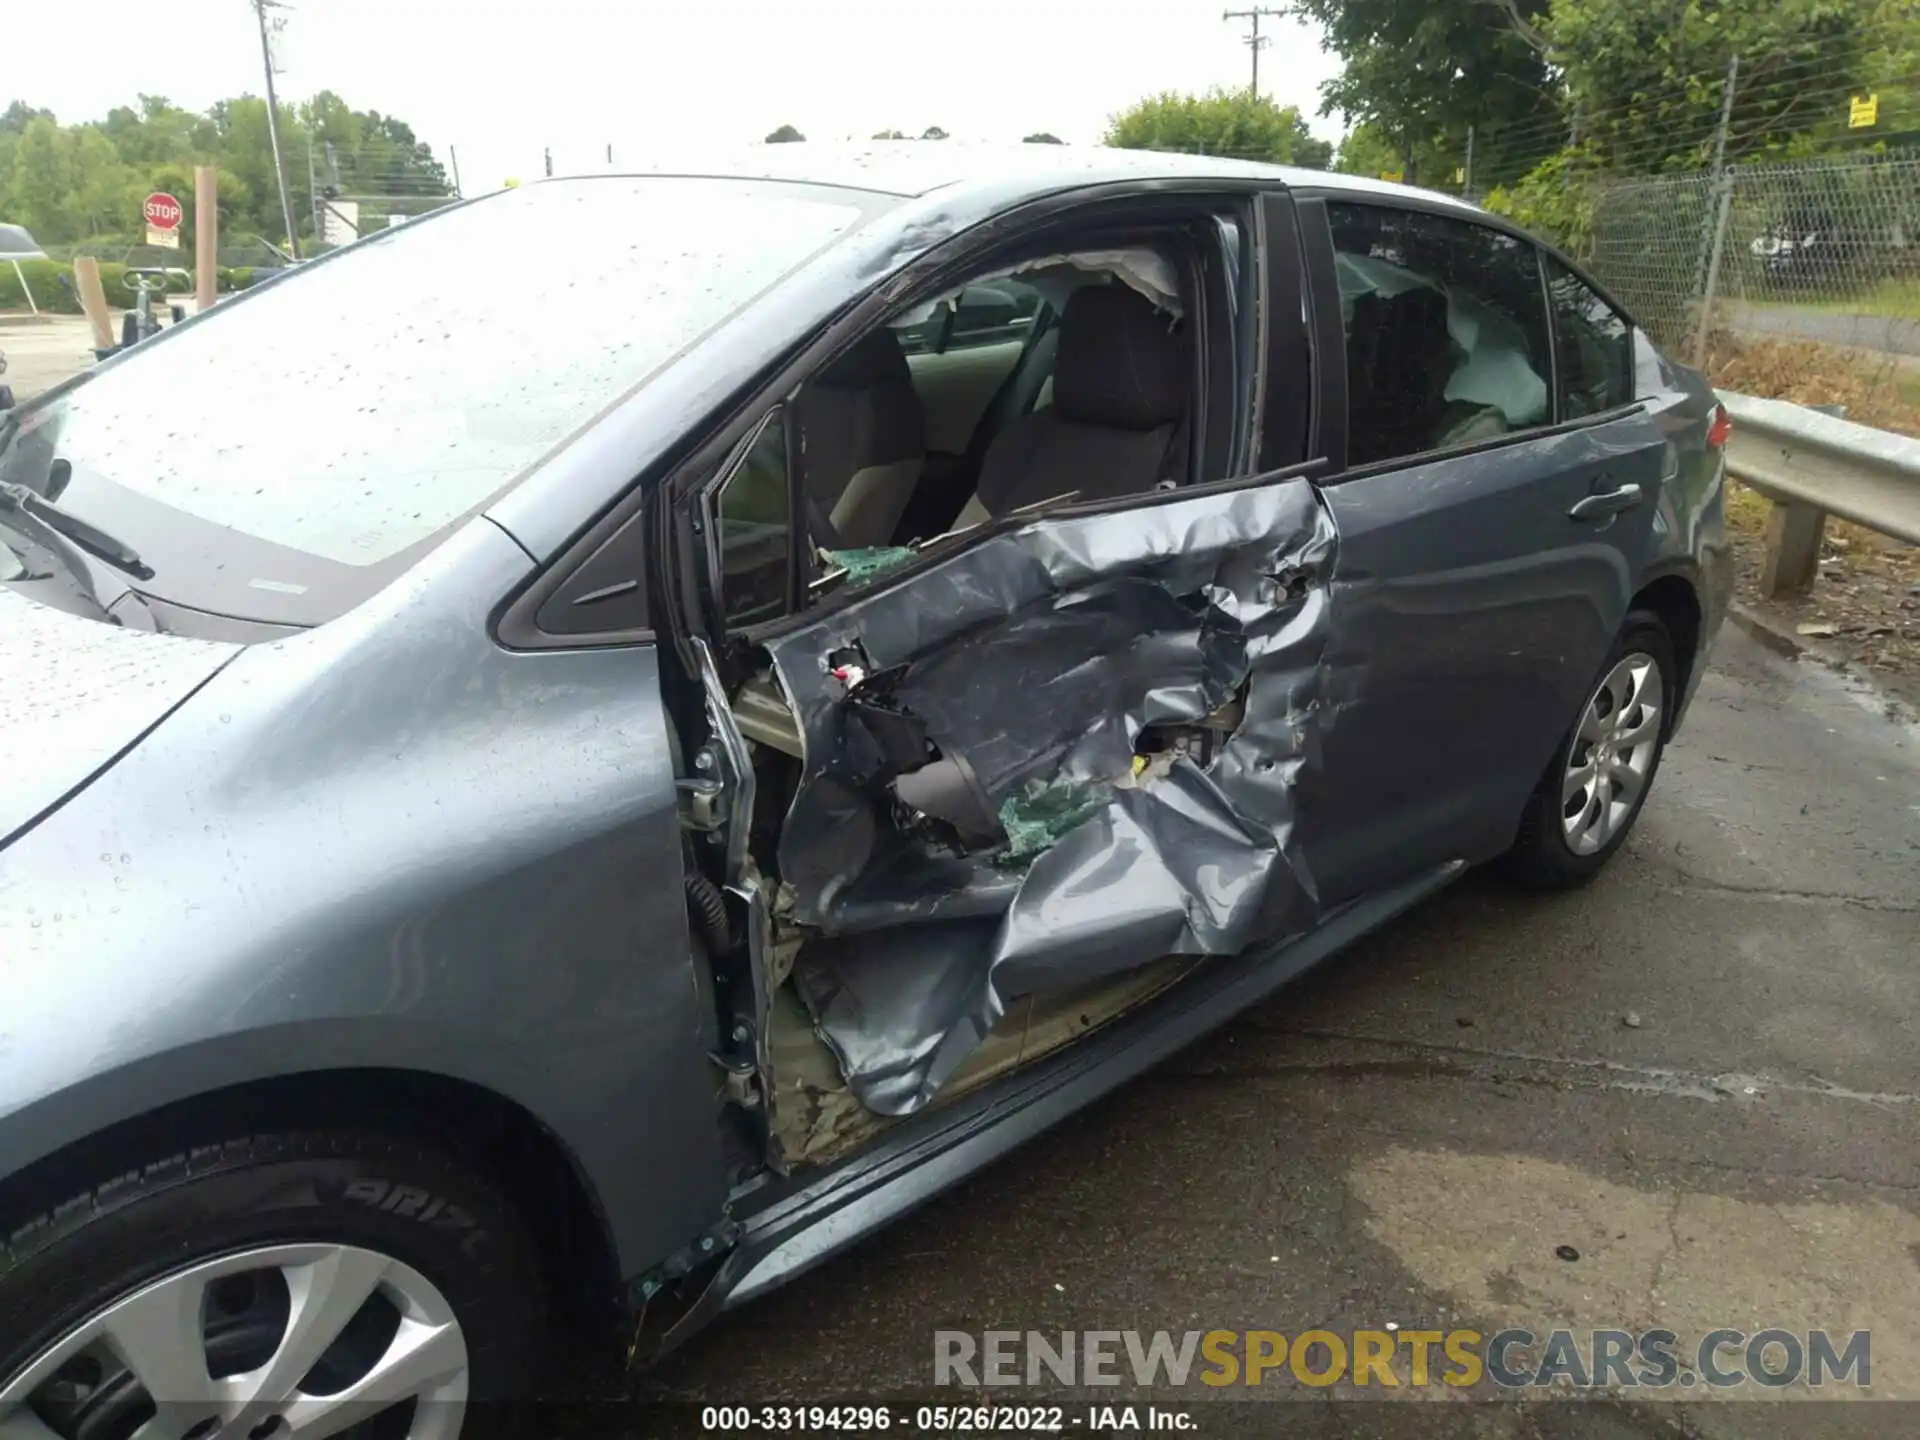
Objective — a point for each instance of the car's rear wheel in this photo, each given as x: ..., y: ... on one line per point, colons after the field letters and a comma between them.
x: 1598, y: 780
x: 268, y: 1288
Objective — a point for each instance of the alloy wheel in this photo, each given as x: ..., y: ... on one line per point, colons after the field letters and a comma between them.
x: 284, y: 1342
x: 1612, y: 755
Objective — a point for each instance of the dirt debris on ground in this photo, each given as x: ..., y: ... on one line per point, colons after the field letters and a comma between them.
x: 1865, y: 606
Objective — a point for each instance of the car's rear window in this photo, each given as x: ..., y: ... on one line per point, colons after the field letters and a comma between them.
x: 354, y: 408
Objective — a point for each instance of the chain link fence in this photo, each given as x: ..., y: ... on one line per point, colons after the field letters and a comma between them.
x: 1826, y: 251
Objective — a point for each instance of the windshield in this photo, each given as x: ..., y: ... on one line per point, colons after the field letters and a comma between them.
x: 357, y: 406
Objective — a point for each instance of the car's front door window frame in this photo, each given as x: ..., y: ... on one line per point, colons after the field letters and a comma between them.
x: 1201, y: 203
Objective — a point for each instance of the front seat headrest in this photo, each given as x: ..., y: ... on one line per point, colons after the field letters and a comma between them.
x: 876, y: 359
x: 1119, y: 363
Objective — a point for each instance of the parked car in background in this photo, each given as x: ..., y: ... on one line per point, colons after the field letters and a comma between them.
x: 17, y: 246
x: 584, y: 826
x: 1810, y: 249
x: 255, y: 253
x: 17, y: 243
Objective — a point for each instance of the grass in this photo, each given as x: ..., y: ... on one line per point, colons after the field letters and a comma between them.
x: 1895, y: 298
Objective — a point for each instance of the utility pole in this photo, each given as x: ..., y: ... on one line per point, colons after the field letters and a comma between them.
x: 313, y: 192
x: 1254, y: 41
x: 453, y: 156
x: 260, y: 8
x: 1467, y: 189
x: 548, y: 153
x: 1726, y: 114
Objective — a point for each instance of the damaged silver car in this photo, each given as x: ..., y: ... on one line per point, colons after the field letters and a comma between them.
x: 577, y: 808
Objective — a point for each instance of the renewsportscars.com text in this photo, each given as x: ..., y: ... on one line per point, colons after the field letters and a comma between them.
x: 1512, y: 1358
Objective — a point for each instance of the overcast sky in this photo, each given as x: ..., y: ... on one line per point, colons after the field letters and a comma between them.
x: 501, y: 79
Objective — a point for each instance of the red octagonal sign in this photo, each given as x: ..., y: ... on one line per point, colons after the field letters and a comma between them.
x: 163, y: 212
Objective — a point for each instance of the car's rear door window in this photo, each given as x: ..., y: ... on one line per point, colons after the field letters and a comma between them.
x: 1593, y: 347
x: 1446, y: 331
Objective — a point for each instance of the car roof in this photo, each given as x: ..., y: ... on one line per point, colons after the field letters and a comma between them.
x: 17, y: 244
x: 912, y: 168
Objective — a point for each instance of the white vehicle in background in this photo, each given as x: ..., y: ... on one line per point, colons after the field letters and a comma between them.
x: 17, y: 245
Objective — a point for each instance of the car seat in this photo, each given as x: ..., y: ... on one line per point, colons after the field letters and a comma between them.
x: 1115, y: 425
x: 863, y: 441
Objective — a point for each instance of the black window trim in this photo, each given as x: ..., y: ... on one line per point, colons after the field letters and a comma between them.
x: 1329, y: 343
x: 1324, y: 290
x: 1282, y: 379
x: 1448, y: 210
x: 1548, y: 253
x: 1540, y: 258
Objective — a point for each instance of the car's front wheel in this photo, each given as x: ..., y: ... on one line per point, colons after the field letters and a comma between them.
x: 1598, y: 779
x: 270, y: 1287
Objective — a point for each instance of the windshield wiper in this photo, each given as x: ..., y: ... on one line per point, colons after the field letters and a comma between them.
x: 90, y: 538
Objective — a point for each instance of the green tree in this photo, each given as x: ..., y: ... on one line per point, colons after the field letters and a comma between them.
x: 1221, y: 122
x: 85, y: 181
x: 40, y: 187
x: 933, y: 132
x: 1043, y: 137
x: 1366, y: 150
x: 17, y: 116
x: 1555, y: 200
x: 104, y: 187
x: 890, y: 135
x: 1644, y: 78
x: 1310, y: 151
x: 785, y: 135
x: 1419, y: 75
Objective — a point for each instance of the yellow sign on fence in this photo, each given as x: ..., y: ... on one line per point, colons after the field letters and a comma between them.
x: 1864, y: 111
x: 1396, y: 176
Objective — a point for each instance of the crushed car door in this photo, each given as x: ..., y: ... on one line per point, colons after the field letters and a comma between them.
x: 1063, y: 752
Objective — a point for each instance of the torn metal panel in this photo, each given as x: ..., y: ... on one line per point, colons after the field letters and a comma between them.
x: 1048, y: 656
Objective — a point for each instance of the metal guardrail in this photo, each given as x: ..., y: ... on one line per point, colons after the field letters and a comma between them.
x: 1812, y: 465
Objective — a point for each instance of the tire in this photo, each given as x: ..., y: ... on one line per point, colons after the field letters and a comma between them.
x: 1543, y: 856
x: 309, y: 1213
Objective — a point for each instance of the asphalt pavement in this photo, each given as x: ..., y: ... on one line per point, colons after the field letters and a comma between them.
x: 1700, y: 1075
x: 1888, y: 334
x: 41, y: 353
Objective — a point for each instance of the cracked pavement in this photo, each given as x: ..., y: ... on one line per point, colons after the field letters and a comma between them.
x: 1408, y: 1134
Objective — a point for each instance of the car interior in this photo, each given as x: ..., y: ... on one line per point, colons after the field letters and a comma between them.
x: 1432, y: 365
x: 1067, y: 377
x: 1070, y: 377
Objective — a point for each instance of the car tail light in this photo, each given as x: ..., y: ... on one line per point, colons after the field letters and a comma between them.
x: 1720, y: 429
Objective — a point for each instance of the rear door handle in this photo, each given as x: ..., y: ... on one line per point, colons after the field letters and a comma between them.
x: 1606, y: 503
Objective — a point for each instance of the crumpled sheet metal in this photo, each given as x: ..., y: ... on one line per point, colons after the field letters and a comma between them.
x: 1038, y: 657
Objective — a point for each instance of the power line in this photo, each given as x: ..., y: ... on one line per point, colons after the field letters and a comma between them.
x: 1254, y: 40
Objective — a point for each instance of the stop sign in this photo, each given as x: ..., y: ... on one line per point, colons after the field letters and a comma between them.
x: 163, y: 212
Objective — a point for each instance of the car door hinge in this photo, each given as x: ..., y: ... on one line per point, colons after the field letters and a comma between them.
x: 684, y: 1261
x: 703, y: 795
x: 739, y: 1080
